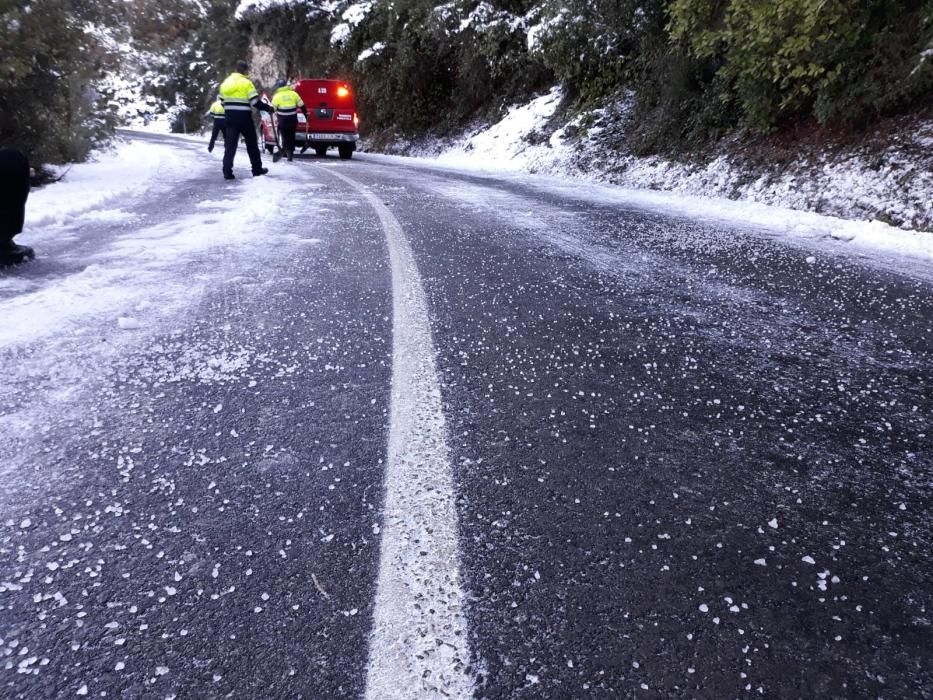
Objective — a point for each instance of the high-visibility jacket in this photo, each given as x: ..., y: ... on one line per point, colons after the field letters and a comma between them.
x: 238, y: 94
x: 217, y: 109
x: 286, y: 102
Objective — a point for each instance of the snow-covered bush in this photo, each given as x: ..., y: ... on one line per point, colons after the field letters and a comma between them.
x: 49, y: 104
x: 177, y: 53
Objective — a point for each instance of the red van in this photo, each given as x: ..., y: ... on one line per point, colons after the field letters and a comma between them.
x: 332, y: 119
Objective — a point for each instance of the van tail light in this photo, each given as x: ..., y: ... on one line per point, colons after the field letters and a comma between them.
x: 356, y: 120
x: 343, y: 91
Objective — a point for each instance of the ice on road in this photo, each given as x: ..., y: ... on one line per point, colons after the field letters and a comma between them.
x: 680, y: 451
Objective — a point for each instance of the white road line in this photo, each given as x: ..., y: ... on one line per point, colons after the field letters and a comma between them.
x: 419, y: 646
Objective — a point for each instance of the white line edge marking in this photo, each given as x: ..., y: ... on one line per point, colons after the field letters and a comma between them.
x: 419, y: 646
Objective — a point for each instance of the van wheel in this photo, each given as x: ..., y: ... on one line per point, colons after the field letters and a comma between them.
x: 320, y: 151
x: 346, y: 152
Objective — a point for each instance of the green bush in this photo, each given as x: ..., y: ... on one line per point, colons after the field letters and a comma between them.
x: 836, y: 60
x: 48, y: 65
x: 495, y: 69
x: 589, y: 44
x: 409, y: 84
x: 679, y: 104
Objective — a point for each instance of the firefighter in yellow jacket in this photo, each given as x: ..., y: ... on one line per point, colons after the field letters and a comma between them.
x: 287, y: 102
x: 240, y: 98
x: 216, y: 113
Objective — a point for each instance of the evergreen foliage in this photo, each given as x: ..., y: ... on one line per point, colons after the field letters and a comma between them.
x: 690, y: 70
x: 189, y: 46
x: 49, y: 62
x: 834, y: 60
x: 695, y: 70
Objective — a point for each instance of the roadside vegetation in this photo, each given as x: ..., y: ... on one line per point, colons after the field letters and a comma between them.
x: 49, y: 106
x: 695, y: 70
x: 691, y: 72
x: 73, y: 70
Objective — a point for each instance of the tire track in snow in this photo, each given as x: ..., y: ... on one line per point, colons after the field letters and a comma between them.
x: 419, y: 646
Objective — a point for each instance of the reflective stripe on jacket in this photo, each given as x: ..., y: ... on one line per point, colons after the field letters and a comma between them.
x: 286, y: 102
x: 237, y: 93
x: 217, y: 109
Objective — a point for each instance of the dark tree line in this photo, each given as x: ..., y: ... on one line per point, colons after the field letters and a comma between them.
x: 695, y: 70
x: 49, y: 62
x: 58, y: 59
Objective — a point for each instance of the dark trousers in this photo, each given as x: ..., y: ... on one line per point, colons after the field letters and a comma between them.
x: 288, y: 125
x: 14, y: 189
x: 240, y: 123
x: 220, y: 127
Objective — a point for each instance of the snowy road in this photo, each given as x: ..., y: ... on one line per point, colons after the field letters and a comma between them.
x: 363, y: 429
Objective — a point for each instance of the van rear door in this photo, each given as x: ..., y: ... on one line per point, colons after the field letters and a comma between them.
x: 330, y: 104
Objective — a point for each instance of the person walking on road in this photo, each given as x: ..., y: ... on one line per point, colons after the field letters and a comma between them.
x: 287, y: 102
x: 14, y: 190
x: 220, y: 123
x: 240, y: 98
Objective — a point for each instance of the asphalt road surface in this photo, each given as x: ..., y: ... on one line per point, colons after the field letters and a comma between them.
x: 435, y: 434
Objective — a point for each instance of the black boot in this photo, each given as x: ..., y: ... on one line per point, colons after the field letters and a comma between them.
x: 13, y: 254
x: 261, y: 171
x: 229, y: 176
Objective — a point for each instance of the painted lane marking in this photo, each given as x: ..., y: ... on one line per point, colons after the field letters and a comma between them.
x: 418, y: 647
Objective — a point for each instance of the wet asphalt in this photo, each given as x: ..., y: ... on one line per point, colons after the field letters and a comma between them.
x: 690, y: 461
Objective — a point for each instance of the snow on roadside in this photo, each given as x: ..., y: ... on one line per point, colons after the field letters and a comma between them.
x: 126, y: 171
x: 503, y: 146
x: 872, y: 238
x: 142, y: 273
x: 859, y: 236
x: 523, y: 144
